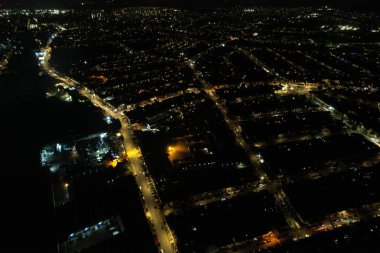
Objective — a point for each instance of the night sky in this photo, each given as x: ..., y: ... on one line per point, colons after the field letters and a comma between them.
x: 363, y: 4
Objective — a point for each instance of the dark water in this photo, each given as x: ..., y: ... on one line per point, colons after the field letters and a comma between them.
x: 28, y: 122
x: 25, y: 188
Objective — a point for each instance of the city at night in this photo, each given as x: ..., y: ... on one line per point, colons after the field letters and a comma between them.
x: 176, y: 126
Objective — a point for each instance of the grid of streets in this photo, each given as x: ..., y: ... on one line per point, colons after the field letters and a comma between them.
x: 244, y: 129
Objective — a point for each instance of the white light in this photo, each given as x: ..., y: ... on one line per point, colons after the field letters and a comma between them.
x: 53, y: 168
x: 108, y: 120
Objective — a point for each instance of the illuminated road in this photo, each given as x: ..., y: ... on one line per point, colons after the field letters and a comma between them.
x: 332, y: 221
x: 305, y: 89
x: 131, y: 107
x: 319, y: 62
x: 360, y: 68
x: 255, y: 60
x: 371, y: 137
x: 272, y: 186
x: 291, y: 63
x: 218, y: 195
x: 163, y: 236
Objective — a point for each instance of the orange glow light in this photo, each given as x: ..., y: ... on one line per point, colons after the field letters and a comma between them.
x: 112, y: 163
x: 133, y: 153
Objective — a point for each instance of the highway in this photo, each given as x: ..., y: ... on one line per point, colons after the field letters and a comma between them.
x: 163, y: 236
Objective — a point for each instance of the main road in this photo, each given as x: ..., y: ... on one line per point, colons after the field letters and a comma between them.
x: 163, y: 235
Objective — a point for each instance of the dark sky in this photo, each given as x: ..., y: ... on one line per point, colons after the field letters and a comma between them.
x: 366, y: 4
